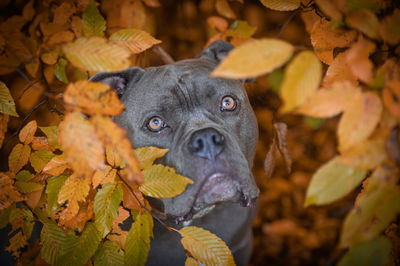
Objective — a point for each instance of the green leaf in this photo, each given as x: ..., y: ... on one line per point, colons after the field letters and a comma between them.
x: 137, y: 244
x: 59, y: 70
x: 39, y: 159
x: 27, y: 187
x: 93, y: 22
x: 357, y: 4
x: 106, y: 205
x: 78, y: 250
x: 51, y: 133
x: 28, y: 222
x: 52, y: 239
x: 5, y: 216
x: 109, y: 254
x: 162, y: 182
x: 241, y: 29
x: 53, y: 187
x: 7, y: 105
x: 24, y: 175
x: 332, y: 181
x: 275, y: 80
x: 147, y: 155
x: 301, y: 79
x: 376, y: 252
x: 376, y: 206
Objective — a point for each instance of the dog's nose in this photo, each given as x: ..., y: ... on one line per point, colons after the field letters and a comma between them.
x: 206, y: 143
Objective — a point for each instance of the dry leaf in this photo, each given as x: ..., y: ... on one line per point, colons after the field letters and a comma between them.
x: 18, y: 157
x: 56, y: 166
x: 217, y: 23
x: 281, y: 5
x: 365, y: 21
x: 391, y: 96
x: 7, y: 105
x: 136, y: 41
x: 8, y: 194
x: 223, y: 8
x: 339, y: 70
x: 3, y: 127
x: 359, y: 62
x: 28, y: 132
x: 329, y: 8
x: 389, y: 29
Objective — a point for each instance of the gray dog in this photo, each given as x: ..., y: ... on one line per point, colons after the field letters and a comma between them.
x: 211, y: 132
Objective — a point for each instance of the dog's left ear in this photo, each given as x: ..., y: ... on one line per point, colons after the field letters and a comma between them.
x: 119, y: 80
x: 217, y: 51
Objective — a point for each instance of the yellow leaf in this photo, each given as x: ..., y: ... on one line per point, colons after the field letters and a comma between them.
x: 95, y: 54
x: 135, y: 40
x: 112, y: 134
x: 162, y: 182
x: 223, y: 8
x: 39, y: 159
x: 191, y: 262
x: 339, y: 70
x: 101, y: 177
x: 56, y: 166
x: 281, y: 5
x: 332, y: 181
x: 28, y: 132
x: 253, y: 59
x: 205, y: 246
x: 18, y: 157
x: 92, y: 98
x: 359, y: 121
x: 147, y: 155
x: 365, y: 21
x: 328, y: 102
x: 80, y: 143
x: 376, y: 206
x: 7, y: 105
x: 301, y: 79
x: 74, y: 190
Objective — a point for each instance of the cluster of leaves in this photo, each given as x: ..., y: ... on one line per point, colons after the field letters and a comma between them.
x: 82, y: 179
x: 359, y: 43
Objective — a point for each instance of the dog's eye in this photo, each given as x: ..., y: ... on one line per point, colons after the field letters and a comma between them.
x: 228, y: 103
x: 156, y: 124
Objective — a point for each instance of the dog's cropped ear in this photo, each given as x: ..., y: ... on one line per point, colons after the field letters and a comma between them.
x: 217, y: 51
x: 119, y: 80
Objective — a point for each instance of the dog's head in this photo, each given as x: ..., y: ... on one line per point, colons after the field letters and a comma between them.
x: 206, y: 123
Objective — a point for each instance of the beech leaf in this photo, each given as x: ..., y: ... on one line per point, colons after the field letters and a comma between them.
x: 53, y: 187
x: 138, y: 241
x: 96, y: 54
x: 241, y: 29
x: 162, y: 182
x: 135, y: 40
x: 59, y: 70
x: 365, y: 21
x: 301, y: 79
x: 51, y: 133
x: 56, y: 165
x: 281, y: 5
x: 52, y: 239
x: 376, y: 206
x: 224, y: 9
x: 254, y: 58
x: 205, y: 246
x: 147, y: 155
x: 7, y: 105
x: 28, y: 132
x: 92, y: 98
x: 39, y: 159
x: 93, y: 22
x: 332, y: 181
x: 358, y: 122
x: 18, y: 157
x: 389, y: 28
x: 109, y: 254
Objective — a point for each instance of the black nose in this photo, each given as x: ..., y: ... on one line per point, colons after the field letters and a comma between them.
x: 206, y: 143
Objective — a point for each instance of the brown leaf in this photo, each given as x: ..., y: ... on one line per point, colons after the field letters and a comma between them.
x: 28, y: 12
x: 80, y: 143
x: 281, y: 133
x: 365, y: 21
x: 3, y: 127
x: 339, y: 70
x: 101, y: 177
x: 136, y: 41
x: 389, y: 29
x: 9, y: 194
x: 217, y: 23
x: 49, y: 58
x: 28, y: 132
x: 33, y: 198
x: 129, y: 201
x: 392, y: 146
x: 281, y: 5
x: 270, y: 159
x: 42, y: 144
x: 63, y: 12
x: 391, y: 97
x: 359, y: 120
x: 92, y: 98
x: 18, y: 157
x: 329, y: 8
x: 112, y: 134
x: 331, y: 101
x: 56, y: 166
x: 117, y: 234
x: 152, y: 3
x: 358, y: 60
x: 77, y: 26
x: 224, y: 9
x: 325, y: 39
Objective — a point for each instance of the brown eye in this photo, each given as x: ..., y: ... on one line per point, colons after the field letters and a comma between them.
x: 156, y: 124
x: 228, y: 103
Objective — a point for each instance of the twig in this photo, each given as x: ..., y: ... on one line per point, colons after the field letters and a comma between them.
x: 141, y: 205
x: 25, y: 90
x: 167, y: 59
x: 286, y: 23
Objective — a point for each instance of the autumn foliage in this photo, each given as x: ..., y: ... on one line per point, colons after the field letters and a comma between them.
x: 79, y: 177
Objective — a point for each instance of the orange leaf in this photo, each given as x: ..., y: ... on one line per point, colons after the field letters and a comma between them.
x: 223, y: 8
x: 358, y: 60
x: 101, y: 177
x: 56, y: 166
x: 329, y: 8
x: 3, y: 127
x: 92, y: 98
x: 359, y: 120
x: 27, y: 132
x: 339, y: 70
x: 391, y: 96
x: 33, y: 198
x: 136, y: 41
x: 42, y: 144
x: 118, y: 235
x: 18, y: 157
x: 389, y: 28
x: 9, y: 194
x: 113, y: 157
x: 324, y: 39
x: 217, y: 23
x: 330, y: 102
x: 129, y: 201
x: 365, y: 21
x: 81, y: 146
x: 111, y: 133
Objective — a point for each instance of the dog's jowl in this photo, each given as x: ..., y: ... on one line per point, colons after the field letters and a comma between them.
x: 211, y: 132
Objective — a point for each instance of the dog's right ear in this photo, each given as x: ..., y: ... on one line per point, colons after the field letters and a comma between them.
x: 119, y: 80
